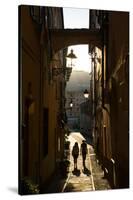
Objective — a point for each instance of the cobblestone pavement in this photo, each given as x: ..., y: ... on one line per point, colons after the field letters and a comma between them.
x: 90, y: 179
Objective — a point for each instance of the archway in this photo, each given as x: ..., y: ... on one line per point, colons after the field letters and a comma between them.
x: 62, y: 38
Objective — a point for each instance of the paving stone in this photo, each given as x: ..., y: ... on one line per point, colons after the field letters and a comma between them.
x: 85, y: 182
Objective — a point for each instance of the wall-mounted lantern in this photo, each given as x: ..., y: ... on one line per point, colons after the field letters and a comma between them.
x: 86, y: 94
x: 63, y: 70
x: 72, y: 56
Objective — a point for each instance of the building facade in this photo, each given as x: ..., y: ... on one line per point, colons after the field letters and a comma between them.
x: 73, y: 113
x: 86, y: 120
x: 110, y: 94
x: 42, y: 94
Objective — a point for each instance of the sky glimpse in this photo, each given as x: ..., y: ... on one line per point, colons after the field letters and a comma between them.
x: 78, y: 18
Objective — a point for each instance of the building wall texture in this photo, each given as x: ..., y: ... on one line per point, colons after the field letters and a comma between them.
x: 41, y: 105
x: 111, y: 116
x: 73, y: 114
x: 118, y: 49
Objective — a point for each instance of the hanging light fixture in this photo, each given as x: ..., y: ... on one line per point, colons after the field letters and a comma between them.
x: 86, y: 94
x: 72, y: 56
x: 60, y: 70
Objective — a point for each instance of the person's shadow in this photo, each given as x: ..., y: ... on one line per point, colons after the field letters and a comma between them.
x: 76, y: 172
x: 86, y: 171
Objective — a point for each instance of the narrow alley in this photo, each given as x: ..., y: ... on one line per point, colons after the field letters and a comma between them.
x: 74, y: 86
x: 90, y: 179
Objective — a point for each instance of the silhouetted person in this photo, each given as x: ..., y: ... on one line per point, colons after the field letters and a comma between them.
x: 84, y: 151
x: 75, y: 154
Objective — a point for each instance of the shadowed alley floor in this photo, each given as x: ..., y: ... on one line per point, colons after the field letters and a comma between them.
x: 89, y: 179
